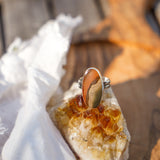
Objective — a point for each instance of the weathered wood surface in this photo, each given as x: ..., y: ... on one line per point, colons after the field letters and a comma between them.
x: 125, y: 48
x: 22, y: 18
x: 2, y: 44
x: 122, y: 46
x: 87, y: 9
x: 137, y: 98
x: 126, y: 26
x: 157, y: 12
x: 156, y: 151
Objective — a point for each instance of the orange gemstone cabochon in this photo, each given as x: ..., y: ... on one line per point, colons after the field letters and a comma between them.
x: 92, y: 87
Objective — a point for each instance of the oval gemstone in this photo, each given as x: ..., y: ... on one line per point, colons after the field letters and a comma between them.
x: 92, y: 87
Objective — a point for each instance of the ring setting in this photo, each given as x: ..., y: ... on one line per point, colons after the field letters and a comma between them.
x: 93, y: 84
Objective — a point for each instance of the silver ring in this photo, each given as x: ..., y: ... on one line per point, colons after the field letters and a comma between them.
x: 92, y: 85
x: 106, y: 82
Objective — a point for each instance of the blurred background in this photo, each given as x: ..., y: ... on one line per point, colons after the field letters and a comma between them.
x: 119, y: 37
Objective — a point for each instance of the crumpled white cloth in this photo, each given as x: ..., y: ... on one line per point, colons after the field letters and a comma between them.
x: 30, y: 74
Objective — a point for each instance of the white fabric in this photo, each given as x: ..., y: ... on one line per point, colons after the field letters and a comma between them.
x: 30, y: 74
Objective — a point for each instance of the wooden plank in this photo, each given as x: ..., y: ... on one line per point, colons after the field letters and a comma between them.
x: 137, y: 97
x: 87, y: 9
x: 82, y: 56
x: 2, y: 43
x: 156, y: 151
x: 1, y: 50
x: 127, y: 27
x: 141, y: 107
x: 23, y: 18
x: 157, y: 12
x: 105, y: 7
x: 130, y: 59
x: 124, y: 17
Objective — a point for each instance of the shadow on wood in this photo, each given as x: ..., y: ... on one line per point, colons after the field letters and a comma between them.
x: 141, y: 108
x: 82, y: 56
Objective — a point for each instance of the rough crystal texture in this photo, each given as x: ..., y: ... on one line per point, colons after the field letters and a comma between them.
x: 92, y: 133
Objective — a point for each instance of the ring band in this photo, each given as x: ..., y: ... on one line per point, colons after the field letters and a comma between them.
x: 106, y: 82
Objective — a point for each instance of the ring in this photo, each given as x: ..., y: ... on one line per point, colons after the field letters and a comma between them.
x: 92, y: 85
x: 106, y: 82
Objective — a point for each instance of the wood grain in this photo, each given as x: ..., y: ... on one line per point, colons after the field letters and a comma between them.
x: 2, y: 43
x: 137, y: 98
x: 126, y: 49
x: 141, y: 107
x: 122, y: 46
x: 82, y: 56
x: 87, y: 9
x: 124, y: 17
x: 126, y: 26
x: 157, y: 12
x: 156, y: 151
x: 1, y: 50
x: 23, y: 18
